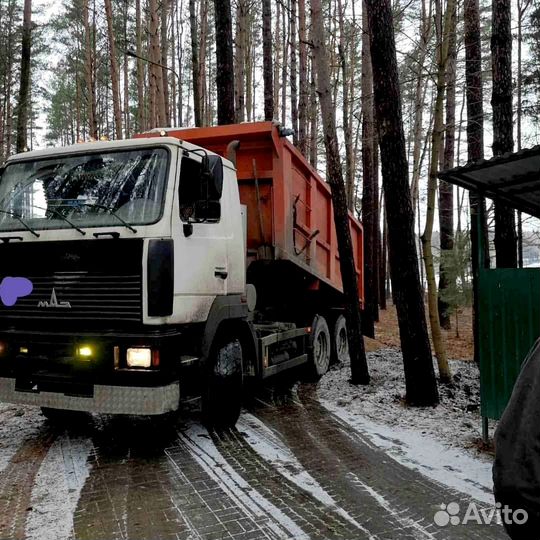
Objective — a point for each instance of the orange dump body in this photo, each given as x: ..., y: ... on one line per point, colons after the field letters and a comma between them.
x: 290, y: 215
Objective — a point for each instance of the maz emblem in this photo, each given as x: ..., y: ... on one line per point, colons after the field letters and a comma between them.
x: 53, y: 302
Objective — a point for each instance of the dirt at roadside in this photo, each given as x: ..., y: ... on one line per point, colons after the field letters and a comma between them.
x: 459, y: 346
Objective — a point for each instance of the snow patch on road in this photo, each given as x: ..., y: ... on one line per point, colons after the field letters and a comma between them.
x: 251, y: 502
x: 452, y: 467
x: 270, y: 447
x: 57, y: 489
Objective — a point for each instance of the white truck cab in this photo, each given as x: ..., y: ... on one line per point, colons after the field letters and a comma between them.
x: 127, y: 246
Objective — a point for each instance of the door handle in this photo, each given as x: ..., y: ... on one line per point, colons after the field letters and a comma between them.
x: 221, y: 273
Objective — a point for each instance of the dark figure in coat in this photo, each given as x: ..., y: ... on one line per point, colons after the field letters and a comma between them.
x: 516, y: 471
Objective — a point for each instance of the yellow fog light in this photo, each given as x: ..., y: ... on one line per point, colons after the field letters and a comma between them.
x: 139, y: 358
x: 23, y: 350
x: 85, y: 352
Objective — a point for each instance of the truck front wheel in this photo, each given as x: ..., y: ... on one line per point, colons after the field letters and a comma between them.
x: 222, y: 396
x: 320, y: 347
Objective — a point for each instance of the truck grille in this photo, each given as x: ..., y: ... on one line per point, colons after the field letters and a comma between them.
x: 82, y: 296
x: 81, y: 284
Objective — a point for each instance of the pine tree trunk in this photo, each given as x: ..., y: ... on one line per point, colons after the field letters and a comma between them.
x: 347, y: 127
x: 248, y: 67
x: 370, y: 196
x: 127, y: 116
x: 174, y: 98
x: 383, y: 261
x: 294, y: 71
x: 115, y: 83
x: 203, y: 86
x: 313, y: 113
x: 359, y: 369
x: 303, y: 79
x: 426, y: 28
x: 164, y: 61
x: 285, y: 28
x: 89, y: 73
x: 197, y: 108
x: 522, y: 6
x: 420, y: 379
x: 9, y: 63
x: 23, y: 107
x: 475, y: 136
x: 268, y: 68
x: 501, y: 101
x: 224, y: 62
x: 278, y: 58
x: 436, y: 144
x: 239, y: 59
x: 446, y: 190
x: 156, y: 56
x: 152, y: 68
x: 140, y: 67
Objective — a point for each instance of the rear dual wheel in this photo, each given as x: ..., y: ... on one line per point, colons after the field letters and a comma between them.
x: 340, y: 343
x: 326, y: 346
x: 321, y: 348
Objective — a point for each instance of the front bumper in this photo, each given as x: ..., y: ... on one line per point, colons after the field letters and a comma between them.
x: 107, y: 399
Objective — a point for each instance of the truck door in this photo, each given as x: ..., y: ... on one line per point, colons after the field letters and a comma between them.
x: 200, y: 239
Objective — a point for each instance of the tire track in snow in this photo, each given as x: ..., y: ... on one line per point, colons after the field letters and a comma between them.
x: 407, y: 522
x: 317, y: 519
x: 17, y: 480
x: 57, y: 489
x: 271, y: 522
x: 329, y: 455
x: 270, y: 447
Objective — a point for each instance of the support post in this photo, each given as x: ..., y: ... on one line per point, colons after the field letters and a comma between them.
x: 485, y: 429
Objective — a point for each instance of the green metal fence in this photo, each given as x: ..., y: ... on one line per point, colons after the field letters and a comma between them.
x: 509, y: 324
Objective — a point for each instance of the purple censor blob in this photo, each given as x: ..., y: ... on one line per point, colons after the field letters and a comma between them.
x: 13, y: 288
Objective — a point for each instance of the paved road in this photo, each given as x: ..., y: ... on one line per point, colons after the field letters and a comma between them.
x: 290, y: 470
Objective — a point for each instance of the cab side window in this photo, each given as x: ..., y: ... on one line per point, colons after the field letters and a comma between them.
x: 196, y: 202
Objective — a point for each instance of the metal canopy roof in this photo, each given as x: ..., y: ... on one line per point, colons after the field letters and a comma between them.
x: 513, y: 178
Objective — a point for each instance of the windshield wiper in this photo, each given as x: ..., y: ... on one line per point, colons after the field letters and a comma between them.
x: 25, y: 225
x: 112, y: 212
x: 57, y: 213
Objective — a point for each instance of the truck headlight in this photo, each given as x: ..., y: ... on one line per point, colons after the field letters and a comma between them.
x: 139, y: 358
x: 86, y: 352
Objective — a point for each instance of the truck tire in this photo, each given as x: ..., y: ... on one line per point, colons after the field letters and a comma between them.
x: 340, y: 342
x: 222, y: 395
x: 321, y: 344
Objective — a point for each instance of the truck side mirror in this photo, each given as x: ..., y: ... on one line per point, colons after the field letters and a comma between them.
x: 201, y: 188
x: 212, y: 177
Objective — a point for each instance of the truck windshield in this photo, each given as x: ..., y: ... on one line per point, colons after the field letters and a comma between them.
x: 91, y: 190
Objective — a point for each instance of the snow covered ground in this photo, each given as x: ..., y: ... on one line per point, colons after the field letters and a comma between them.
x: 440, y: 442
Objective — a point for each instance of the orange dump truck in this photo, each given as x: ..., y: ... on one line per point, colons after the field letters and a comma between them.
x: 180, y: 263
